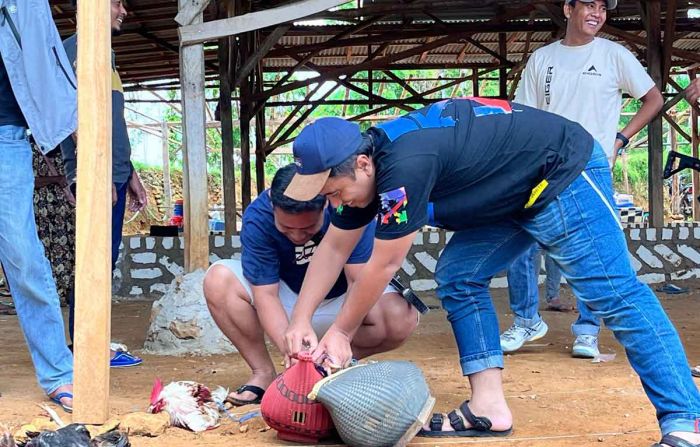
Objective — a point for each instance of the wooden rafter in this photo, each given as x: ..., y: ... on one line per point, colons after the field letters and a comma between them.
x: 338, y: 37
x: 260, y: 52
x: 668, y: 40
x: 193, y: 34
x: 295, y: 125
x: 489, y: 51
x: 401, y: 82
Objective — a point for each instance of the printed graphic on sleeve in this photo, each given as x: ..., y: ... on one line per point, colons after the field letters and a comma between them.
x: 432, y: 119
x: 393, y: 206
x: 489, y: 106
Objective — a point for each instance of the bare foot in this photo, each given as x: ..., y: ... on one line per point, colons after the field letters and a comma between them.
x: 67, y: 401
x: 261, y: 379
x: 501, y: 418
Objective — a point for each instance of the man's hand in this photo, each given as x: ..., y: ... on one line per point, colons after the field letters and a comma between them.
x: 138, y: 199
x: 114, y: 195
x: 334, y: 351
x: 298, y: 337
x: 692, y: 93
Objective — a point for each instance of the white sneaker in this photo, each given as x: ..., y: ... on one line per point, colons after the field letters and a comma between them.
x: 516, y: 336
x: 585, y: 347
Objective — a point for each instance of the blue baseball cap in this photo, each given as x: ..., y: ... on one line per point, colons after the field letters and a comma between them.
x: 321, y: 145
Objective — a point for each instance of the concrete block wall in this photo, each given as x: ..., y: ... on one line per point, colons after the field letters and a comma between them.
x: 147, y: 265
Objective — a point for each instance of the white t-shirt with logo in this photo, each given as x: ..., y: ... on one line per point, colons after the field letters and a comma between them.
x: 584, y: 84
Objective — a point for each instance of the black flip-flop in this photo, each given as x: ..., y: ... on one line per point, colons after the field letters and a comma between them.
x: 7, y: 309
x: 695, y: 371
x: 259, y: 393
x: 674, y: 441
x: 672, y: 289
x: 480, y: 425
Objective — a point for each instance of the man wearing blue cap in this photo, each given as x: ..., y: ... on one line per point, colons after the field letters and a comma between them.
x: 501, y: 176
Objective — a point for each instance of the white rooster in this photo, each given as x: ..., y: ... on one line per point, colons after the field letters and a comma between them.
x: 189, y: 404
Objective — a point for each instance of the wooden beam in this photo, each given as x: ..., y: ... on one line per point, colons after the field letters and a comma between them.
x: 523, y: 61
x: 244, y: 119
x: 93, y: 275
x: 502, y: 72
x: 694, y: 152
x: 299, y: 121
x: 259, y: 53
x: 259, y: 135
x: 677, y: 128
x: 424, y: 54
x: 284, y: 139
x: 669, y: 29
x: 351, y: 70
x: 193, y: 34
x: 313, y: 53
x: 680, y: 95
x: 385, y: 61
x: 631, y: 37
x: 167, y: 186
x: 228, y: 169
x: 190, y: 10
x: 194, y: 172
x: 401, y: 82
x: 651, y: 15
x: 488, y: 51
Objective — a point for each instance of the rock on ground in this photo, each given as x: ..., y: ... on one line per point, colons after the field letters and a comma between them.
x: 145, y: 424
x: 181, y: 322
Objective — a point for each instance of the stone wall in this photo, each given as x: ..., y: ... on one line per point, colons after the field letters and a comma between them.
x: 147, y: 265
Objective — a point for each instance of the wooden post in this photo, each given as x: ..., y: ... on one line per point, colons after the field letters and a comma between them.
x: 93, y: 275
x: 625, y: 171
x: 503, y: 71
x: 694, y: 152
x: 475, y: 82
x: 228, y: 169
x: 244, y: 120
x: 245, y: 115
x: 259, y: 136
x: 675, y: 190
x: 194, y: 171
x: 651, y: 13
x: 167, y: 188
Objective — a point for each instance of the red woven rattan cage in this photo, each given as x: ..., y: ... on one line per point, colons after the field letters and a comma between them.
x: 286, y: 407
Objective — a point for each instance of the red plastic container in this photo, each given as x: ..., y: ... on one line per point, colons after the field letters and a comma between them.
x: 286, y: 407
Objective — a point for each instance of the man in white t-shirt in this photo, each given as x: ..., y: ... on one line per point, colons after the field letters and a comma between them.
x: 582, y: 78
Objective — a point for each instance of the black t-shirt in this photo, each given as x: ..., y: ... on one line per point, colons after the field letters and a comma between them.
x: 462, y: 163
x: 10, y: 113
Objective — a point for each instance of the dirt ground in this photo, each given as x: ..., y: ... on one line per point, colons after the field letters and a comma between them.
x: 557, y: 401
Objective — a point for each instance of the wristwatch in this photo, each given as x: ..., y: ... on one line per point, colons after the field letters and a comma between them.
x: 624, y: 139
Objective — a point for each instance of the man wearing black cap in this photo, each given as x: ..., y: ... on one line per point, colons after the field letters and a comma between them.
x: 501, y: 176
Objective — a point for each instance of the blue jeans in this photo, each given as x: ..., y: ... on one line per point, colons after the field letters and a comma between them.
x: 524, y: 296
x: 26, y: 267
x: 581, y: 232
x: 118, y: 211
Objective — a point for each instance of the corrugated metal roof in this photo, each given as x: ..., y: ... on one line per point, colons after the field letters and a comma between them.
x: 148, y: 48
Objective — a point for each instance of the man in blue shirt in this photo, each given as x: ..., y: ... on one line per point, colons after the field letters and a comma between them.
x: 502, y: 176
x: 256, y: 295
